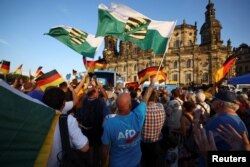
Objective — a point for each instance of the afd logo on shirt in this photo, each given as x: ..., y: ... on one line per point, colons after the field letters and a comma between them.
x: 128, y: 135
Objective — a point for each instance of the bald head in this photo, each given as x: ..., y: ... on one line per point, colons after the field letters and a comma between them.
x: 123, y: 103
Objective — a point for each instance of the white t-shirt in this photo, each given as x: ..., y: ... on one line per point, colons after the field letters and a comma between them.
x: 68, y: 106
x: 77, y: 140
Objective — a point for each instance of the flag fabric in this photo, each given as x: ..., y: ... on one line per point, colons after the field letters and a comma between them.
x: 78, y: 40
x: 52, y: 78
x: 143, y: 75
x: 132, y: 85
x: 221, y: 73
x: 92, y: 65
x: 38, y: 72
x: 74, y: 72
x: 68, y: 76
x: 129, y: 25
x: 27, y: 129
x: 5, y: 67
x: 19, y: 70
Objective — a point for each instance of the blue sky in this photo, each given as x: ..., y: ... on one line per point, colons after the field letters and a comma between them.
x: 23, y: 23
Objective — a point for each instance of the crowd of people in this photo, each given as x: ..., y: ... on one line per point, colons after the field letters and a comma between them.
x: 145, y: 127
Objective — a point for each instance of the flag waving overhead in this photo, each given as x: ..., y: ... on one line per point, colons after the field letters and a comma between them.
x: 38, y: 72
x: 92, y: 65
x: 52, y: 78
x: 220, y: 74
x: 27, y: 128
x: 132, y: 85
x: 5, y: 67
x: 74, y: 72
x: 78, y: 40
x: 129, y: 25
x: 19, y: 70
x: 143, y: 75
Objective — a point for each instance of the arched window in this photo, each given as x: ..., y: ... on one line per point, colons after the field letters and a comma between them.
x: 175, y: 64
x: 189, y: 63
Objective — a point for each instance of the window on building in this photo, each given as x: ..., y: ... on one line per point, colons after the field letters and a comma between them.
x: 125, y: 68
x: 188, y: 77
x: 175, y: 64
x: 246, y: 68
x: 135, y: 78
x: 175, y: 77
x: 205, y: 77
x: 177, y: 44
x: 135, y: 67
x: 240, y: 69
x: 189, y: 63
x: 190, y: 43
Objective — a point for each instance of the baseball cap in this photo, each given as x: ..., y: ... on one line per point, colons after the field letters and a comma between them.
x: 227, y: 96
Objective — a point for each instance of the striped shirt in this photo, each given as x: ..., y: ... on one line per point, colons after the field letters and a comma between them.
x: 153, y: 124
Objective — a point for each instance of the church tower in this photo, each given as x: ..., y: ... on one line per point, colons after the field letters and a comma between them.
x: 110, y: 48
x: 211, y: 29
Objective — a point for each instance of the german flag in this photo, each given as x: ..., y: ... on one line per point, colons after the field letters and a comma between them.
x: 74, y: 72
x: 19, y: 70
x: 38, y: 72
x: 92, y: 65
x: 5, y: 67
x: 52, y: 78
x: 143, y: 75
x: 132, y: 85
x: 221, y: 73
x: 25, y: 141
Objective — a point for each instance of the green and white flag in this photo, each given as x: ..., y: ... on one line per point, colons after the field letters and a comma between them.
x: 26, y: 127
x: 78, y: 40
x: 129, y: 25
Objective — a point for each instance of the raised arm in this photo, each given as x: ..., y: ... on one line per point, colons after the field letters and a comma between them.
x: 149, y: 90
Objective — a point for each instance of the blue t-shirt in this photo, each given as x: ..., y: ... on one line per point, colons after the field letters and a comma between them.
x: 123, y: 133
x: 36, y: 94
x: 224, y: 119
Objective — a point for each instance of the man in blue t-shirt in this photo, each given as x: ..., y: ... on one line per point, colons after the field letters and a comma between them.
x: 122, y: 133
x: 225, y: 104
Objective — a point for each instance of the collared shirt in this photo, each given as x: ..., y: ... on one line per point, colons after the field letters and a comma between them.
x: 153, y: 124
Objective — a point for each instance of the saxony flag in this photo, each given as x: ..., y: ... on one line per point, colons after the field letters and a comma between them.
x: 78, y: 40
x: 129, y: 25
x: 26, y: 127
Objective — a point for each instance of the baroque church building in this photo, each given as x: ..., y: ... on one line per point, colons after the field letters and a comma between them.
x: 185, y: 62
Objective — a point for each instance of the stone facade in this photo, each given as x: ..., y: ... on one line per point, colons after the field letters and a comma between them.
x: 243, y: 62
x: 185, y: 62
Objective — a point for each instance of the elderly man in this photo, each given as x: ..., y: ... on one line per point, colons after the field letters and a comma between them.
x: 122, y: 133
x: 225, y: 105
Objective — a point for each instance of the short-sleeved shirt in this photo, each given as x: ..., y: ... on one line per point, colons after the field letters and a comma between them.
x: 224, y: 119
x: 155, y: 117
x: 123, y: 134
x: 77, y: 141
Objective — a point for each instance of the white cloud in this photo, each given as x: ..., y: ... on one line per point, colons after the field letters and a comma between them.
x: 2, y: 41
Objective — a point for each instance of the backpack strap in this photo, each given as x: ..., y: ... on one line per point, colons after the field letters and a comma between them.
x: 191, y: 123
x: 202, y: 107
x: 64, y: 132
